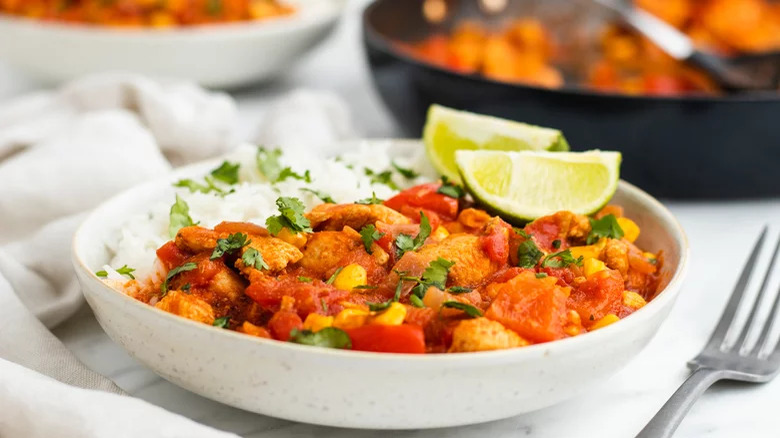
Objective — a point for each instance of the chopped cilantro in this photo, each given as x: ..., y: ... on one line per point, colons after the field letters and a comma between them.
x: 468, y: 309
x: 459, y: 290
x: 227, y: 172
x: 230, y: 244
x: 221, y: 322
x: 605, y: 227
x: 541, y: 275
x: 378, y: 307
x: 194, y: 186
x: 561, y: 259
x: 385, y: 178
x: 329, y: 337
x: 124, y: 270
x: 436, y: 273
x: 375, y: 307
x: 653, y: 261
x: 186, y: 288
x: 405, y: 242
x: 179, y: 216
x: 305, y: 279
x: 324, y: 197
x: 556, y: 244
x: 407, y: 173
x: 172, y: 273
x: 335, y: 274
x: 369, y: 201
x: 268, y: 163
x: 287, y: 172
x: 323, y: 304
x: 369, y: 235
x: 528, y: 254
x: 416, y: 301
x: 365, y: 286
x: 253, y: 258
x: 291, y: 217
x: 450, y: 189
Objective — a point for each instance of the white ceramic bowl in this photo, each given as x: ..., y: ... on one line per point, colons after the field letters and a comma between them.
x: 360, y: 389
x: 220, y: 55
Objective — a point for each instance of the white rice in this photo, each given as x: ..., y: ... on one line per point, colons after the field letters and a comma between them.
x: 253, y: 199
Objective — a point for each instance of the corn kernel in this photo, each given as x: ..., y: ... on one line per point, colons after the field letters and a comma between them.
x: 605, y: 321
x: 574, y: 317
x: 586, y: 252
x: 633, y: 300
x: 253, y: 330
x: 316, y: 322
x: 592, y: 266
x: 440, y: 234
x: 572, y: 330
x: 350, y: 318
x: 350, y: 277
x: 649, y: 255
x: 393, y: 315
x: 630, y: 228
x: 297, y: 240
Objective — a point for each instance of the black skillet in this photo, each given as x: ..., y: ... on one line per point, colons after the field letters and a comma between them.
x: 680, y: 147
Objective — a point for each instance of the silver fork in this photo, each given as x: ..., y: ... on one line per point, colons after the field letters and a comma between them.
x: 718, y: 361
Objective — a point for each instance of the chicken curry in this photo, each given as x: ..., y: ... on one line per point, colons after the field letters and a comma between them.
x: 421, y: 272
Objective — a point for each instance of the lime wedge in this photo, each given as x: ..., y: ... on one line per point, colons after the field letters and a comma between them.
x: 448, y: 130
x: 522, y: 186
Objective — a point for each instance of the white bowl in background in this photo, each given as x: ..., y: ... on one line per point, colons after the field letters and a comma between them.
x: 362, y: 389
x: 219, y: 55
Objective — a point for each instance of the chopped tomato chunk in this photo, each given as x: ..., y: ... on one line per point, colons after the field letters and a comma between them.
x: 425, y: 196
x: 282, y: 323
x: 171, y: 256
x: 533, y: 307
x: 403, y: 338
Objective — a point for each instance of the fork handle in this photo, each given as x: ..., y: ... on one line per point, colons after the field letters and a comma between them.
x: 665, y: 422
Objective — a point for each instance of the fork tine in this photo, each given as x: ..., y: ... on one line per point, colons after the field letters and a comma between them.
x: 759, y: 298
x: 719, y: 335
x: 764, y: 337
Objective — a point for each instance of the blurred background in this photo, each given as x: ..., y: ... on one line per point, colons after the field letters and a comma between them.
x: 582, y: 66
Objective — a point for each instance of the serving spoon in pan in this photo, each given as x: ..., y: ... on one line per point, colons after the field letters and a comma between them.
x: 742, y: 73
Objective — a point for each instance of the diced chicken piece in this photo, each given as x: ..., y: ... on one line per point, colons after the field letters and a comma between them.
x: 472, y: 264
x: 574, y: 227
x: 615, y: 255
x: 276, y: 253
x: 196, y: 239
x: 334, y: 217
x: 325, y: 250
x: 482, y: 334
x: 247, y: 228
x: 227, y: 285
x: 187, y: 306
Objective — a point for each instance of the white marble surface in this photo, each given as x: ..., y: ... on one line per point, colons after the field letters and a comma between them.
x: 721, y: 235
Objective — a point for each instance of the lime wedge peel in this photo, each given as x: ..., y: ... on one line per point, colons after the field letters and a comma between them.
x: 448, y: 130
x: 523, y: 186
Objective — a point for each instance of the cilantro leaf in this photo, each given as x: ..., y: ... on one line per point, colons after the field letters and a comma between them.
x: 369, y: 235
x: 561, y: 259
x: 179, y: 216
x: 450, y: 189
x: 406, y: 172
x: 369, y: 201
x: 253, y: 258
x: 541, y: 275
x: 232, y: 243
x: 291, y: 217
x: 287, y: 172
x: 329, y: 337
x: 375, y: 307
x: 605, y: 227
x: 385, y: 178
x: 459, y: 290
x: 528, y: 254
x: 124, y: 270
x: 305, y: 279
x: 268, y: 163
x: 521, y: 232
x: 221, y: 322
x: 172, y: 273
x: 194, y: 186
x: 556, y: 244
x: 468, y: 309
x: 227, y: 172
x: 366, y: 286
x: 436, y: 273
x: 324, y: 197
x: 405, y: 242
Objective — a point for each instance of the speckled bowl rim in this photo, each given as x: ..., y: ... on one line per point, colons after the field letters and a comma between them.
x: 560, y: 347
